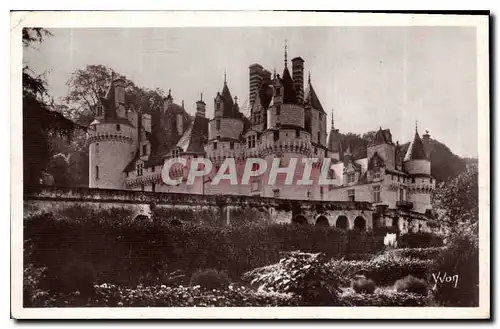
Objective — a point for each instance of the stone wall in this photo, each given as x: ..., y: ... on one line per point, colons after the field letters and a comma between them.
x: 225, y: 209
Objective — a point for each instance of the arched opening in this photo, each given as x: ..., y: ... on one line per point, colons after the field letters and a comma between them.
x: 342, y: 222
x: 322, y: 221
x: 141, y: 218
x: 299, y: 220
x: 359, y: 223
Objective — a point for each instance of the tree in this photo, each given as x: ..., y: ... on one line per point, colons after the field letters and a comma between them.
x: 457, y: 201
x: 40, y: 122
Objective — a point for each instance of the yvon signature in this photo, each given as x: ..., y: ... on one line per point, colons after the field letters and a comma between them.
x: 444, y: 279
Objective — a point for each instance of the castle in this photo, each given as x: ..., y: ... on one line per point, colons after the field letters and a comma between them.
x: 286, y: 121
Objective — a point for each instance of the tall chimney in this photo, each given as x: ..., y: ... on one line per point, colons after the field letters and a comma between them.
x: 119, y: 92
x: 201, y: 107
x: 298, y: 77
x: 255, y: 76
x: 426, y: 141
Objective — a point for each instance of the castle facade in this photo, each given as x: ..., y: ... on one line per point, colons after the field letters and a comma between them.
x: 287, y: 121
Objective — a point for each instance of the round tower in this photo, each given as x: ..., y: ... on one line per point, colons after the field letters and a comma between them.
x: 418, y: 166
x: 111, y: 140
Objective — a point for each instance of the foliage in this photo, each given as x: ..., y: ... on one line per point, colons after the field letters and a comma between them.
x: 384, y: 298
x: 40, y: 122
x: 411, y: 284
x: 108, y: 295
x: 383, y: 269
x: 458, y: 200
x: 362, y: 285
x: 355, y: 256
x: 461, y: 258
x: 420, y: 240
x: 307, y: 275
x: 124, y: 251
x: 210, y: 279
x: 419, y: 253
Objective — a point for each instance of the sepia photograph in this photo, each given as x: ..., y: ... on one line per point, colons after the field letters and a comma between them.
x: 250, y: 165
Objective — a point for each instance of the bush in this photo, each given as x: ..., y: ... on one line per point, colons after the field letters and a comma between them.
x: 383, y: 298
x: 418, y: 253
x: 383, y: 269
x: 362, y: 285
x: 162, y: 296
x: 460, y: 261
x: 358, y: 256
x: 304, y: 274
x: 126, y: 252
x: 411, y: 284
x: 420, y: 240
x: 210, y: 279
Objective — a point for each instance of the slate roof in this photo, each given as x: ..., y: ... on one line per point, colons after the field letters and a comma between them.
x: 383, y: 137
x: 312, y: 99
x: 416, y: 149
x: 289, y: 93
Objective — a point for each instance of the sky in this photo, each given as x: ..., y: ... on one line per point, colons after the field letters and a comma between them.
x: 371, y: 77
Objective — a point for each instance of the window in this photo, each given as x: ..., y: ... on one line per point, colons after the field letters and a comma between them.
x: 118, y: 128
x: 215, y: 146
x: 309, y: 194
x: 276, y: 135
x: 401, y: 194
x: 175, y: 153
x: 126, y: 174
x: 321, y: 191
x: 276, y: 193
x: 218, y: 124
x: 139, y: 169
x: 255, y: 184
x: 351, y: 177
x: 351, y: 195
x: 319, y: 136
x: 153, y: 187
x: 413, y: 179
x: 376, y: 194
x: 98, y: 110
x: 153, y: 168
x: 252, y: 141
x: 315, y: 150
x: 96, y: 172
x: 297, y: 133
x: 320, y: 116
x: 142, y: 187
x: 376, y: 173
x: 144, y: 149
x: 97, y: 149
x: 278, y: 109
x: 231, y: 145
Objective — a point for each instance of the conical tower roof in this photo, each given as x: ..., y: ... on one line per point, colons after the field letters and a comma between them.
x: 289, y: 93
x: 416, y: 149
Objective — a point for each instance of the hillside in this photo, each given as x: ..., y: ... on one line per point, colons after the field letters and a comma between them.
x: 445, y: 164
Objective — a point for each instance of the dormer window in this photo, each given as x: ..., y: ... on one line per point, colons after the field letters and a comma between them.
x: 118, y: 128
x: 351, y: 177
x: 139, y: 169
x: 144, y: 149
x: 175, y: 153
x: 98, y: 110
x: 278, y: 109
x: 376, y: 174
x: 218, y: 124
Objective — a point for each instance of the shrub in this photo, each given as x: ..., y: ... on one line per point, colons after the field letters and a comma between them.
x: 107, y: 295
x: 358, y: 256
x: 307, y: 275
x: 459, y: 260
x: 363, y: 285
x: 383, y: 269
x: 383, y: 298
x: 127, y: 252
x: 210, y: 279
x: 411, y: 284
x: 420, y: 240
x: 418, y: 253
